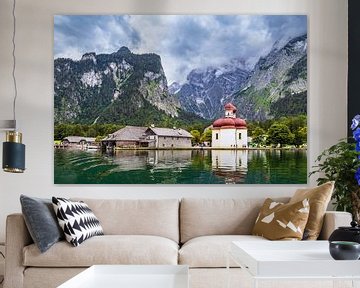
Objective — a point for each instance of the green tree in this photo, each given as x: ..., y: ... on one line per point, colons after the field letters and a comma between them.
x: 300, y: 136
x: 63, y: 130
x: 59, y: 131
x: 206, y: 136
x: 111, y: 128
x: 91, y: 132
x: 78, y: 130
x: 196, y: 136
x: 251, y: 126
x: 294, y: 123
x: 280, y: 134
x: 259, y: 136
x: 99, y: 138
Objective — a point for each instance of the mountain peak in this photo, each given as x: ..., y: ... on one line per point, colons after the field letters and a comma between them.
x: 280, y: 43
x: 107, y: 86
x: 275, y: 78
x: 124, y: 50
x: 89, y: 56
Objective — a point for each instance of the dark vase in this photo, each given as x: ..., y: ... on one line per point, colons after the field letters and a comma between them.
x: 344, y: 250
x: 351, y: 234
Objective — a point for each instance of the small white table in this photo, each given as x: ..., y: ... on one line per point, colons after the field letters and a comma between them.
x: 131, y: 276
x: 293, y: 260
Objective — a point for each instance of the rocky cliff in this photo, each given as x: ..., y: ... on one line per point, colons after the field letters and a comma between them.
x: 275, y: 87
x: 207, y: 90
x: 121, y: 87
x: 131, y: 89
x: 278, y: 84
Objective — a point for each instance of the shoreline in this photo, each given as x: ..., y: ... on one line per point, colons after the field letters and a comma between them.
x: 190, y: 148
x: 210, y: 148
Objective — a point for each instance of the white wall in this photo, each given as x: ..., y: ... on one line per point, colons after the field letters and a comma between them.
x: 327, y: 89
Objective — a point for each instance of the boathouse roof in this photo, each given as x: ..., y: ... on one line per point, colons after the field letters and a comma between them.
x: 168, y: 132
x: 128, y: 133
x: 78, y: 139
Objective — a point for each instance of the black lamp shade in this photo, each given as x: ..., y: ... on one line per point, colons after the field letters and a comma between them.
x: 13, y: 157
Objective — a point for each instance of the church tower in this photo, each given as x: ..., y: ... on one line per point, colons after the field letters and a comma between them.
x: 230, y: 111
x: 229, y: 132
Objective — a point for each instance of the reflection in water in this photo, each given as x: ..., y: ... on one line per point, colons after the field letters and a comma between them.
x: 181, y: 167
x: 230, y: 164
x: 162, y: 159
x: 128, y: 160
x: 277, y: 166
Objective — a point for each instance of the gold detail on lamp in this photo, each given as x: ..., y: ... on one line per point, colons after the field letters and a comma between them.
x: 14, y: 136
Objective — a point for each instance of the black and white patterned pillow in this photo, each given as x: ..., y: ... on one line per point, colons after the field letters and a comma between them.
x: 77, y: 220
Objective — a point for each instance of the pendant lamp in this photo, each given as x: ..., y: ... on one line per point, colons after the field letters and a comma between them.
x: 13, y: 149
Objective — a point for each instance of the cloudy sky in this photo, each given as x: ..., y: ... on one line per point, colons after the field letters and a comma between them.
x: 184, y: 42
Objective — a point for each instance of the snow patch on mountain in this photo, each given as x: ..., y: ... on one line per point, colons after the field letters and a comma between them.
x: 174, y: 88
x: 208, y: 88
x: 91, y: 79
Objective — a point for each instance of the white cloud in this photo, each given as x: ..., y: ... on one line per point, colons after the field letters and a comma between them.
x: 184, y: 42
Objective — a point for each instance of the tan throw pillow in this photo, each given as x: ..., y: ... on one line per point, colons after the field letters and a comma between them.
x: 319, y: 198
x: 279, y: 221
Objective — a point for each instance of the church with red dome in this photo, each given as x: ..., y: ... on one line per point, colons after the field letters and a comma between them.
x: 229, y: 131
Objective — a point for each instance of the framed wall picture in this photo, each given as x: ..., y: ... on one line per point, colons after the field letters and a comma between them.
x: 180, y: 99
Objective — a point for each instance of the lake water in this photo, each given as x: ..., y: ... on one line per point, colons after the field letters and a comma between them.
x: 181, y: 167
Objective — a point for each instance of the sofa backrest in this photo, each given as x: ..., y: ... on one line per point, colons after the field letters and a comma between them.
x: 200, y: 217
x: 159, y: 217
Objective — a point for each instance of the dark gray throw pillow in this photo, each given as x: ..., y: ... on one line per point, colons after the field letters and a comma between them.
x: 41, y: 221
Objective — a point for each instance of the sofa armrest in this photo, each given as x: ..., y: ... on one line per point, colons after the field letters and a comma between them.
x: 17, y: 237
x: 333, y: 220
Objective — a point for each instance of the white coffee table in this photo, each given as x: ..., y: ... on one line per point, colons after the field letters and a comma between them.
x: 131, y: 276
x: 293, y: 260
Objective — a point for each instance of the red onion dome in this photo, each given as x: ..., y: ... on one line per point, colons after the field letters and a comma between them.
x: 240, y: 122
x: 230, y: 106
x: 229, y: 122
x: 224, y: 122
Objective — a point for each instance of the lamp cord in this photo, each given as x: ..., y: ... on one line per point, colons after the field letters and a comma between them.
x: 14, y: 60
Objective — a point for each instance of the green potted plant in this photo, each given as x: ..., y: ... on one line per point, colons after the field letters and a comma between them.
x: 341, y: 163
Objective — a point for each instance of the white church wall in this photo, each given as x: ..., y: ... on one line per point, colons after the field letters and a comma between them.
x: 228, y: 138
x: 242, y: 141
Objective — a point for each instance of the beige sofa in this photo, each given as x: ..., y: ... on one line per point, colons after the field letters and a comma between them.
x: 194, y: 232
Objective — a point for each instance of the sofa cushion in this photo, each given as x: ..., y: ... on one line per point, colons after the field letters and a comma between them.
x: 107, y: 249
x: 211, y: 251
x: 201, y: 217
x: 158, y: 217
x: 35, y: 277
